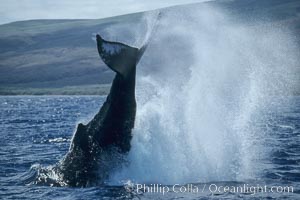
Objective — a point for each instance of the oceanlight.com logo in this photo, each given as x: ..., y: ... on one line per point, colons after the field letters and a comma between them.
x: 211, y: 188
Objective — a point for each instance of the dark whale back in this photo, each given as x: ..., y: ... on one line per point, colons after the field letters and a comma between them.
x: 108, y: 134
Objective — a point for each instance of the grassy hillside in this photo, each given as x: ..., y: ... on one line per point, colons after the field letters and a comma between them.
x: 59, y: 56
x: 54, y: 53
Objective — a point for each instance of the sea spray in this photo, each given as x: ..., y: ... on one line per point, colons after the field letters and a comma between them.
x: 200, y: 88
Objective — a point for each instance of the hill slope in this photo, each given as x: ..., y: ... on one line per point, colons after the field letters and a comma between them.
x: 39, y: 54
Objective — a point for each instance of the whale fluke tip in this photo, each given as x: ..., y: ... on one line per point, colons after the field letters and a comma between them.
x: 120, y: 57
x: 98, y: 37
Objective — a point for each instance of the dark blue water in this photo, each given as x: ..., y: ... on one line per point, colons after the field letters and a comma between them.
x: 36, y: 133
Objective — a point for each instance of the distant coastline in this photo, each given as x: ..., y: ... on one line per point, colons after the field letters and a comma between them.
x: 100, y: 89
x: 97, y: 89
x: 59, y: 57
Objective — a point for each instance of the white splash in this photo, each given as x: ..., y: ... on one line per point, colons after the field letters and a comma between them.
x: 201, y: 83
x: 111, y: 49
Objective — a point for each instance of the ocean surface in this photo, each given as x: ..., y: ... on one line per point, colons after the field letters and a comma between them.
x: 36, y: 133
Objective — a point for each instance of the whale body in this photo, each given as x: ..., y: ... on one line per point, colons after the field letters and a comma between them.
x: 98, y: 147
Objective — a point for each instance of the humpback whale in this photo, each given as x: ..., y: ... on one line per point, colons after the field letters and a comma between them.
x: 98, y: 147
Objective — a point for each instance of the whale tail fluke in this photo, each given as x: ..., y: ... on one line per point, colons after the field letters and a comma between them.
x: 121, y: 58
